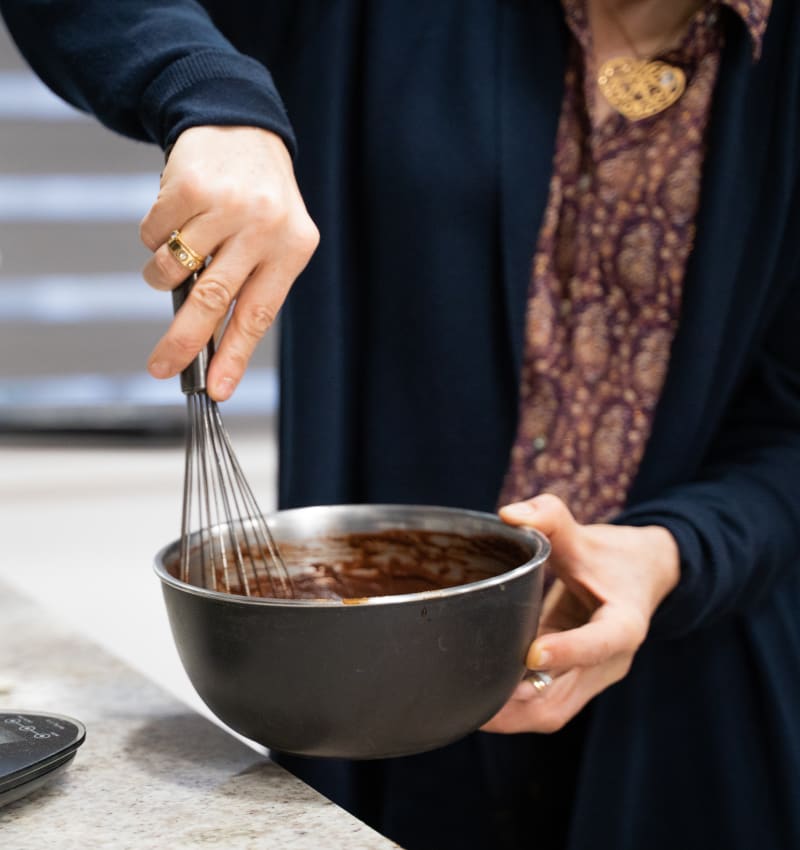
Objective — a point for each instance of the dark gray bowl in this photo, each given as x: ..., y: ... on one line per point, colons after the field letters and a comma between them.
x: 390, y: 676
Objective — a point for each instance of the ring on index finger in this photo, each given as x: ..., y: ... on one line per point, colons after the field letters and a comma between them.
x: 185, y: 255
x: 540, y: 681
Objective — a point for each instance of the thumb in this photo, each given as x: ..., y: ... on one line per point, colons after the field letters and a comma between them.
x: 546, y: 513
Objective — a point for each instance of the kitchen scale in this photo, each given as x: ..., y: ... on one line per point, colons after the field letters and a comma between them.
x: 33, y: 749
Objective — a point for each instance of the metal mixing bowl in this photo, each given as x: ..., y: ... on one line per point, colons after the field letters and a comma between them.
x: 389, y: 676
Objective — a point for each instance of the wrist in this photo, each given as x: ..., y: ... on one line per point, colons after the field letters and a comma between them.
x: 665, y: 561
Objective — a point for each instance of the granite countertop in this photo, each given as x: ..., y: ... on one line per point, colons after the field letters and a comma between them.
x: 152, y: 773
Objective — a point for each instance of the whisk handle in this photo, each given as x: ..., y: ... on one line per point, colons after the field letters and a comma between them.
x: 193, y: 377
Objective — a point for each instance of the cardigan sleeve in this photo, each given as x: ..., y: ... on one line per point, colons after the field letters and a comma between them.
x: 148, y: 69
x: 737, y: 524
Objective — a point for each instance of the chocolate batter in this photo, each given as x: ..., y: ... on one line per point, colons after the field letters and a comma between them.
x: 353, y: 567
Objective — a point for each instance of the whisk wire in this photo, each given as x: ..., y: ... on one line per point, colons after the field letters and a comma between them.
x: 223, y: 531
x: 238, y: 509
x: 249, y: 509
x: 208, y: 514
x: 228, y: 523
x: 233, y: 545
x: 188, y: 483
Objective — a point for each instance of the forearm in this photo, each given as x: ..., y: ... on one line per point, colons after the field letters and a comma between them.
x: 146, y: 68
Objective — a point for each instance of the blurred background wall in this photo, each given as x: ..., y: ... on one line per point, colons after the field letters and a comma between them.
x: 76, y: 320
x: 91, y: 447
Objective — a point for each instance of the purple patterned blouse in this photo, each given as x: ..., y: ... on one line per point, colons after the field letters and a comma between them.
x: 607, y: 276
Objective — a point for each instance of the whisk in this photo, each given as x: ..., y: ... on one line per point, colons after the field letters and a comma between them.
x: 226, y: 544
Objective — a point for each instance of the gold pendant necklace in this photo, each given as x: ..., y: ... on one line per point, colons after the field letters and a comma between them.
x: 637, y: 87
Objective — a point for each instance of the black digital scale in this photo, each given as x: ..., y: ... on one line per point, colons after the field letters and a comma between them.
x: 33, y: 749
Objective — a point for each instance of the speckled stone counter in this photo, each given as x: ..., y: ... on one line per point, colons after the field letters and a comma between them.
x: 151, y: 773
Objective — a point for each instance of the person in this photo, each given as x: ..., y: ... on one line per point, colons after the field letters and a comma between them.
x: 558, y: 273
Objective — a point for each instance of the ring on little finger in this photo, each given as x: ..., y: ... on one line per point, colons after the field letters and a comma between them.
x: 185, y: 255
x: 540, y: 681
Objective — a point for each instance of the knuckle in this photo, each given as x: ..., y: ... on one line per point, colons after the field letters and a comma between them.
x: 230, y: 198
x: 639, y: 630
x: 165, y: 265
x: 255, y: 321
x: 191, y: 186
x: 185, y: 345
x: 267, y: 209
x: 146, y: 234
x: 306, y: 238
x: 551, y: 502
x: 633, y: 629
x: 258, y: 208
x: 270, y: 218
x: 238, y: 358
x: 212, y: 295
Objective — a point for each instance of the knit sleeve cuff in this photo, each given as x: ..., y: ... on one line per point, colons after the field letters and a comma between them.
x: 213, y: 88
x: 680, y: 611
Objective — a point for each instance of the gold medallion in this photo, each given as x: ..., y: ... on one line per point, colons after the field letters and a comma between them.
x: 639, y: 88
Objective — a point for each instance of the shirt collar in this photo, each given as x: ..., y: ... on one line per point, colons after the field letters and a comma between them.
x: 754, y: 14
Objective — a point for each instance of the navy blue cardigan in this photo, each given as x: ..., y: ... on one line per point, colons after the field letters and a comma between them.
x: 424, y: 140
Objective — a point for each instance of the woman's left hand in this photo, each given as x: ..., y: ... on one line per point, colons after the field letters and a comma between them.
x: 609, y: 581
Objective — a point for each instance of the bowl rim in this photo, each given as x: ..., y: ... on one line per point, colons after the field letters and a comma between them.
x: 520, y: 532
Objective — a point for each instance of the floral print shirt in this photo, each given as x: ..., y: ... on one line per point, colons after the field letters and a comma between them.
x: 607, y: 275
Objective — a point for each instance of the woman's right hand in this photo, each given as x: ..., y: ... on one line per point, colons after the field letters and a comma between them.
x: 231, y: 192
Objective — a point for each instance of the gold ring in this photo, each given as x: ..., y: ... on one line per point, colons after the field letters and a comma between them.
x: 188, y: 258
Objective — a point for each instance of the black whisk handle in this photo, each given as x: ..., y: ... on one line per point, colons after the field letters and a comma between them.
x: 193, y: 377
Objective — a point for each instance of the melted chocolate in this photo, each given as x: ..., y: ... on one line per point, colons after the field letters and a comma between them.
x: 353, y: 567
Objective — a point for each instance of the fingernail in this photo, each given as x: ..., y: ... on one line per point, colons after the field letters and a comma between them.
x: 519, y: 510
x: 539, y: 658
x: 224, y: 387
x: 159, y: 369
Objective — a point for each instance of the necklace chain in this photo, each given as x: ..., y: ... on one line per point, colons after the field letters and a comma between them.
x: 617, y: 21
